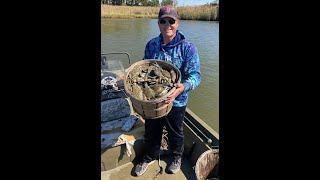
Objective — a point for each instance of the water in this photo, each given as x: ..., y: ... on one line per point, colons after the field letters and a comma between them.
x: 131, y: 35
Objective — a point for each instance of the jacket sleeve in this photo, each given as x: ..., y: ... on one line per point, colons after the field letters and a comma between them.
x: 191, y: 77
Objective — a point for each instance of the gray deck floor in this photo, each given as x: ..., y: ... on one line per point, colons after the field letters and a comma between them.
x: 126, y: 171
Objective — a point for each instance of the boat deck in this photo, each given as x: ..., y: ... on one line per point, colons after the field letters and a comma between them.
x: 117, y: 165
x: 126, y: 171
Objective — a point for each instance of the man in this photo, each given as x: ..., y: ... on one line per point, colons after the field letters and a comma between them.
x: 171, y: 46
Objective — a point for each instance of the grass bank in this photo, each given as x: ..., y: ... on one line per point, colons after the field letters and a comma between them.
x: 204, y: 13
x: 108, y: 11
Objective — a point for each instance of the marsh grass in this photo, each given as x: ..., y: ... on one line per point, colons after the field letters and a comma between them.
x: 203, y: 13
x: 108, y: 11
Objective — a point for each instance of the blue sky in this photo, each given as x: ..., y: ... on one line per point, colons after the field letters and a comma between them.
x: 192, y: 2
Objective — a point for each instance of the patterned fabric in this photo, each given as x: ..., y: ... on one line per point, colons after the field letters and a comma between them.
x: 114, y: 109
x: 125, y: 123
x: 130, y: 122
x: 184, y: 55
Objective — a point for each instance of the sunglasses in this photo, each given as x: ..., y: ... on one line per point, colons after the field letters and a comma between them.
x: 163, y: 21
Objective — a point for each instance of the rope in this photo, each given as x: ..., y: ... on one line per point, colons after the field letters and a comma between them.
x: 161, y: 169
x: 173, y: 129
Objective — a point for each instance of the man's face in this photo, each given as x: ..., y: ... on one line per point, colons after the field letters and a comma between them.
x: 166, y: 27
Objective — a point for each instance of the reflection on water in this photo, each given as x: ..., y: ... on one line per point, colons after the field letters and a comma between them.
x: 131, y: 35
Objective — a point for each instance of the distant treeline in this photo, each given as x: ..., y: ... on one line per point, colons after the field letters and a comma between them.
x: 203, y: 12
x: 139, y: 2
x: 146, y: 2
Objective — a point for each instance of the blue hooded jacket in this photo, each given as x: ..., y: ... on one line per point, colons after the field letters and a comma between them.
x: 184, y: 55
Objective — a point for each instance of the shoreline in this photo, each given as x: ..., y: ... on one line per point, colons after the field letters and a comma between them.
x: 201, y: 13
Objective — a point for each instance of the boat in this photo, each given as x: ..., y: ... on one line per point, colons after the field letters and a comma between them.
x: 123, y: 150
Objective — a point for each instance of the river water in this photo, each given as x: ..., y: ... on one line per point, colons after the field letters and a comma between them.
x: 131, y: 35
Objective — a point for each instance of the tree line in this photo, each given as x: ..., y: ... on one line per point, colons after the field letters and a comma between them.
x: 140, y: 2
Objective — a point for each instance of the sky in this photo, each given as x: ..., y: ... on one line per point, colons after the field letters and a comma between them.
x: 193, y: 2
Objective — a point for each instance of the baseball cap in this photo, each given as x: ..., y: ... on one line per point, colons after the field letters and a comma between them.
x: 168, y: 11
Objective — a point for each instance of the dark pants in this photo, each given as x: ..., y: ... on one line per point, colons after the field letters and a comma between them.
x: 154, y: 129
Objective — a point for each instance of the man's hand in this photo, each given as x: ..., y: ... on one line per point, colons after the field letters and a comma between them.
x: 172, y: 97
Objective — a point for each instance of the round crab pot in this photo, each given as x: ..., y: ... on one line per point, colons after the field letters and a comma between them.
x: 207, y: 165
x: 151, y: 109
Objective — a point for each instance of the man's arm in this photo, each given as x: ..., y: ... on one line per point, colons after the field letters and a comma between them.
x: 192, y: 75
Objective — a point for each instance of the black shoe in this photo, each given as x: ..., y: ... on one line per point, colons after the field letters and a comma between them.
x: 142, y: 168
x: 175, y: 165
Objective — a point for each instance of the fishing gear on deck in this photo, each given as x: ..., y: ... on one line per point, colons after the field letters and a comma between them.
x: 161, y: 169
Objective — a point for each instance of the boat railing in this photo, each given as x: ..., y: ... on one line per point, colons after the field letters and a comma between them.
x: 104, y: 56
x: 209, y: 136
